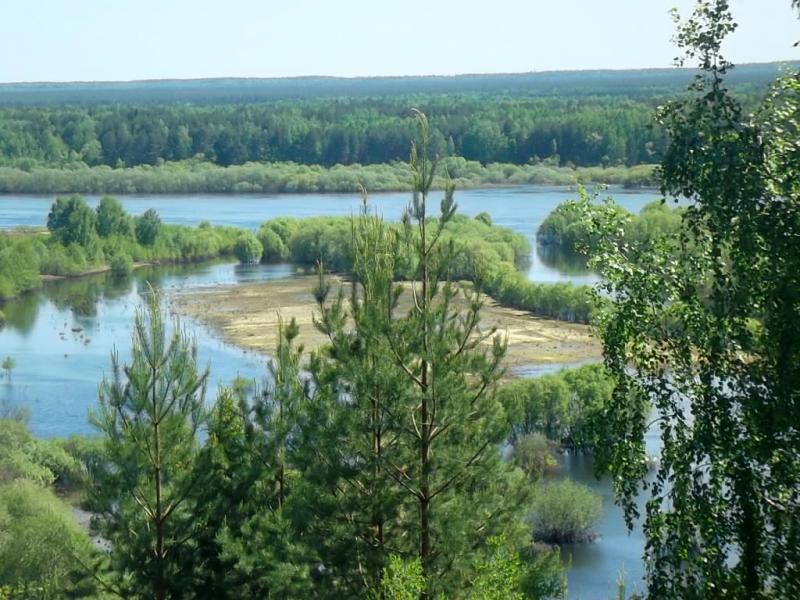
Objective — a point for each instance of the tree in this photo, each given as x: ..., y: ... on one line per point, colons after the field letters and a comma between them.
x: 263, y: 539
x: 248, y: 248
x: 8, y: 365
x: 704, y: 325
x: 147, y: 227
x: 450, y: 423
x: 400, y: 440
x: 71, y: 221
x: 112, y: 218
x: 149, y: 413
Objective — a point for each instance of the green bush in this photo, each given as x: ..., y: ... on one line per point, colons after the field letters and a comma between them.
x: 39, y: 542
x: 248, y: 248
x: 534, y: 454
x: 567, y: 229
x: 566, y: 407
x: 564, y: 512
x: 121, y: 265
x: 19, y: 456
x: 21, y: 263
x: 274, y: 248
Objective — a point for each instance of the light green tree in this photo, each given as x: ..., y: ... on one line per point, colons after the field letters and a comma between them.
x: 704, y: 324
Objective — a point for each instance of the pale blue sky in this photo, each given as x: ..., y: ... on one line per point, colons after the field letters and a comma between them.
x: 68, y: 40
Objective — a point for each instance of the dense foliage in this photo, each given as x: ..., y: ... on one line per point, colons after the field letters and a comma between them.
x: 149, y: 413
x: 518, y: 130
x: 568, y: 229
x: 566, y: 407
x: 705, y: 325
x: 197, y: 176
x: 488, y: 256
x: 42, y: 548
x: 279, y: 135
x: 635, y: 84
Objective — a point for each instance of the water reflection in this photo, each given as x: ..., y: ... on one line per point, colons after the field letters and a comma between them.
x: 569, y: 263
x: 62, y: 335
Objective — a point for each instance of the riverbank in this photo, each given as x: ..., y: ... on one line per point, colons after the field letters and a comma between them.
x: 247, y: 317
x: 197, y: 177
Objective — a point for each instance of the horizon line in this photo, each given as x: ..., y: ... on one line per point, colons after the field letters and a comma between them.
x: 356, y: 77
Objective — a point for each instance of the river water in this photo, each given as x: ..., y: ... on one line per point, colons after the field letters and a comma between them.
x: 61, y: 336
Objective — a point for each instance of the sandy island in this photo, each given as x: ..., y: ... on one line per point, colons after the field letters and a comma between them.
x: 247, y: 315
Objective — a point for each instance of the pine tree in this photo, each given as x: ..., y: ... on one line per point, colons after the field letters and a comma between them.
x: 149, y: 413
x: 452, y: 424
x: 249, y: 540
x: 404, y: 425
x: 350, y: 436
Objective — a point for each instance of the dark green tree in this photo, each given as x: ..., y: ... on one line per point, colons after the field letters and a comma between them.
x: 149, y: 413
x: 704, y: 324
x: 147, y: 227
x: 112, y: 218
x: 350, y: 440
x: 401, y: 437
x: 71, y: 221
x: 268, y: 549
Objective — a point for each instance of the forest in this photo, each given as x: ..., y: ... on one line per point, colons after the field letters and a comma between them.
x: 592, y: 131
x: 231, y: 136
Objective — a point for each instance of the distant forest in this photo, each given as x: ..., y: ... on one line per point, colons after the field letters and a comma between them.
x: 593, y: 118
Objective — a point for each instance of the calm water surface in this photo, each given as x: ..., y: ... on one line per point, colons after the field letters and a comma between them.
x: 519, y: 208
x: 62, y: 335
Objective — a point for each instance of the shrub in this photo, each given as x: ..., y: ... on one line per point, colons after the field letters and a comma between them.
x: 39, y: 540
x: 567, y: 407
x: 274, y: 248
x: 564, y: 512
x: 534, y: 454
x: 247, y: 248
x: 121, y: 265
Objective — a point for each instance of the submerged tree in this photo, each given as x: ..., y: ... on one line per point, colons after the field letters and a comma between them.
x: 705, y: 325
x: 8, y: 365
x: 149, y: 413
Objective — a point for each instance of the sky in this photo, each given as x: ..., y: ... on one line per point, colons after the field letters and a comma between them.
x: 101, y: 40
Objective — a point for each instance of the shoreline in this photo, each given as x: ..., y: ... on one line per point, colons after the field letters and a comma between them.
x: 192, y: 177
x: 479, y: 186
x: 95, y: 271
x: 246, y: 316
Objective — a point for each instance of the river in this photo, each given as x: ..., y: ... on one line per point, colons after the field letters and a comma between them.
x: 61, y: 336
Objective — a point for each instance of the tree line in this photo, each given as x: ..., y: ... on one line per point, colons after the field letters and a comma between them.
x: 586, y: 131
x: 198, y: 176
